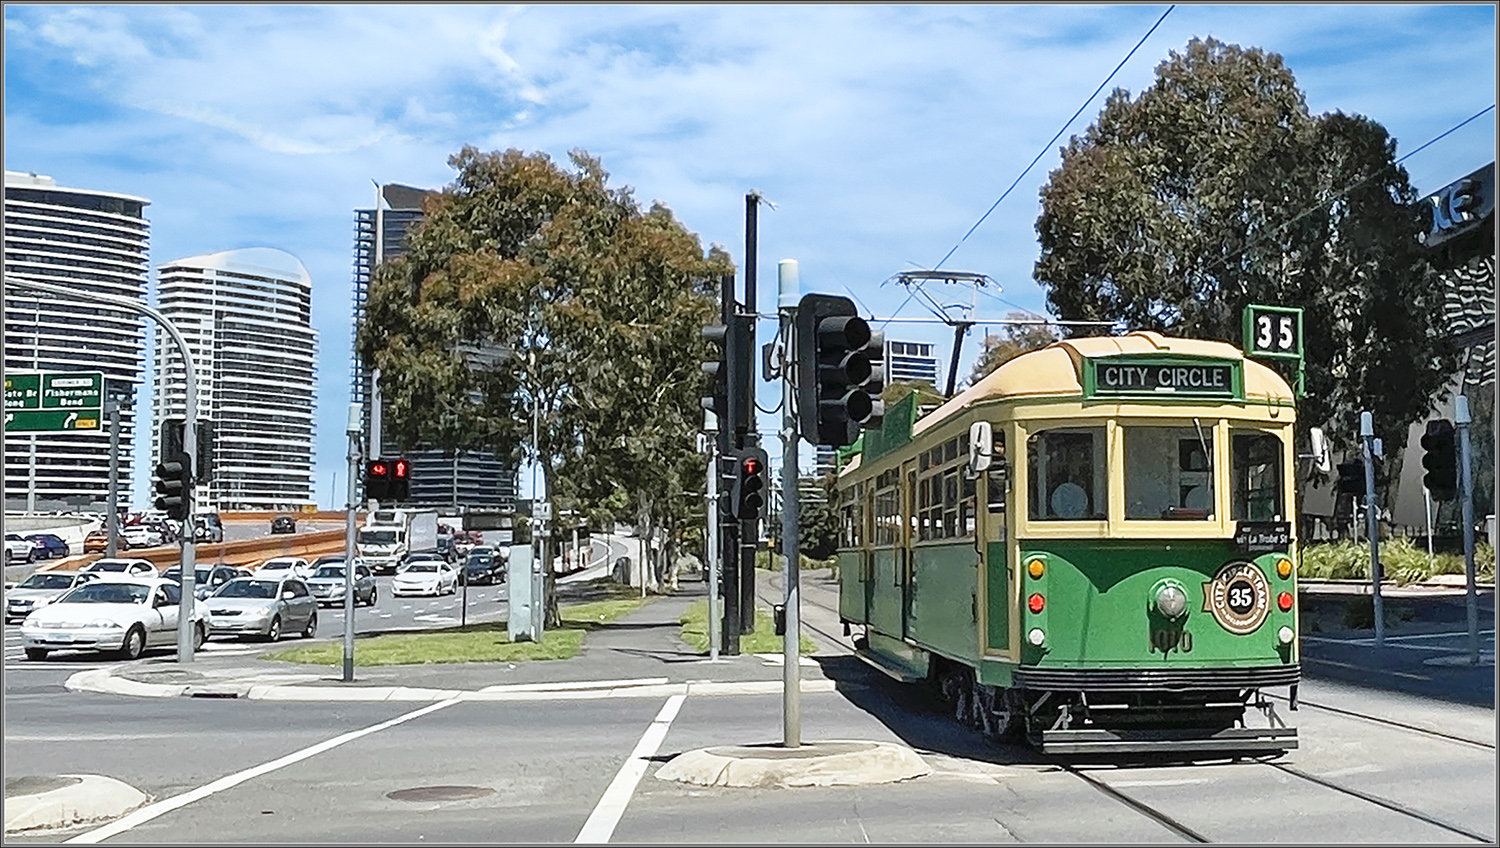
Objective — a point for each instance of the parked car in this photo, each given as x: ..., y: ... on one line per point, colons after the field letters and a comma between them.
x: 274, y: 567
x: 47, y: 546
x: 283, y: 524
x: 481, y: 569
x: 145, y: 536
x: 206, y: 578
x: 425, y: 578
x: 327, y: 584
x: 207, y: 527
x: 41, y: 588
x: 18, y: 548
x: 124, y: 615
x: 264, y: 607
x: 121, y: 566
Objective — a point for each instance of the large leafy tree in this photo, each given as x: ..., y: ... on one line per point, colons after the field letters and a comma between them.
x: 1216, y: 188
x: 539, y: 312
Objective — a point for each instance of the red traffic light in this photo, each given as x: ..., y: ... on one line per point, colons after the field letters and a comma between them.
x: 752, y: 465
x: 378, y: 469
x: 401, y: 468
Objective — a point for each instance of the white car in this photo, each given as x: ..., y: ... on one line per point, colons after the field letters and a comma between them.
x: 123, y: 615
x: 41, y: 588
x: 143, y: 536
x: 279, y: 567
x: 122, y: 567
x: 426, y: 577
x: 17, y: 549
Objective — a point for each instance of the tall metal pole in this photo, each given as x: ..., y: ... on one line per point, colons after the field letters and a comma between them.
x: 729, y: 530
x: 1367, y: 437
x: 112, y: 498
x: 711, y: 532
x: 1466, y: 502
x: 352, y: 428
x: 791, y: 675
x: 745, y: 425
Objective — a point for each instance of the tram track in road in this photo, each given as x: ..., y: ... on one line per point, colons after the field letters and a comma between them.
x: 1399, y: 725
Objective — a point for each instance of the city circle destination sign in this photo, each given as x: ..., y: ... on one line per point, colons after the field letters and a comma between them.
x: 1162, y: 376
x: 48, y: 401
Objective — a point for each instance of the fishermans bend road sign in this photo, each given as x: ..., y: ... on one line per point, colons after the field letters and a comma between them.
x: 48, y: 401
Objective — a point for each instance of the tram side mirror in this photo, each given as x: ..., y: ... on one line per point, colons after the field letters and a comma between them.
x: 1322, y: 459
x: 981, y: 448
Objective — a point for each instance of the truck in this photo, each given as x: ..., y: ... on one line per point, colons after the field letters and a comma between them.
x: 389, y: 535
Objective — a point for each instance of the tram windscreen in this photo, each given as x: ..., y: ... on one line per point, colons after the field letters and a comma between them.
x: 1255, y: 479
x: 1169, y: 473
x: 1067, y: 472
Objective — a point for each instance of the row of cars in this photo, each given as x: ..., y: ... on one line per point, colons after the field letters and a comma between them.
x: 124, y: 606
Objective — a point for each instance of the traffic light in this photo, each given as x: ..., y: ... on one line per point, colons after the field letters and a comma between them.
x: 838, y: 369
x: 400, y: 485
x: 1351, y: 479
x: 747, y: 493
x: 174, y: 485
x: 717, y: 372
x: 1440, y: 460
x: 377, y: 480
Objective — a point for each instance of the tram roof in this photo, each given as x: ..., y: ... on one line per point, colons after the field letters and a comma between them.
x: 1057, y: 371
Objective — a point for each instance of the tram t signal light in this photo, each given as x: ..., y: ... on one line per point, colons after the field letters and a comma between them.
x: 747, y: 494
x: 839, y: 369
x: 174, y: 485
x: 1440, y: 460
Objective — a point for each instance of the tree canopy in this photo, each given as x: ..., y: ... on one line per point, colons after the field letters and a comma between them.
x: 1012, y: 341
x: 1216, y: 188
x: 533, y: 298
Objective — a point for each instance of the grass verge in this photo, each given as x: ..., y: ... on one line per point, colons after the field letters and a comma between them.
x: 763, y: 641
x: 484, y: 642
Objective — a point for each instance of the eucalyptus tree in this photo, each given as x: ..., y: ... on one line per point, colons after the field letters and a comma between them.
x: 1216, y: 188
x: 589, y: 309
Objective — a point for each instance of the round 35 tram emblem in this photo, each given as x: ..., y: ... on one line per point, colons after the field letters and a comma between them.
x: 1239, y: 597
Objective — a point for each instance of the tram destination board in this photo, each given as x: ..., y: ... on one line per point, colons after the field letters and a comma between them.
x: 49, y: 401
x: 1259, y: 537
x: 1119, y: 376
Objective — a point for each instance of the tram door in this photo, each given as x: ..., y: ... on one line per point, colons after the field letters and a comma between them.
x: 904, y: 568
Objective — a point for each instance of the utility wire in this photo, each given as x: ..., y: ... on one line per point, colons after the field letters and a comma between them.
x: 1063, y: 129
x: 912, y: 292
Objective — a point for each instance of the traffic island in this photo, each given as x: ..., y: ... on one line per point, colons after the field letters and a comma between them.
x: 59, y: 801
x: 841, y: 763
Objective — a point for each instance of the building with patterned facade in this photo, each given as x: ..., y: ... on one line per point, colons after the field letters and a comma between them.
x: 246, y: 316
x: 94, y: 241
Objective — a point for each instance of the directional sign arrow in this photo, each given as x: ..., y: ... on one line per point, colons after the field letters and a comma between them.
x: 68, y: 422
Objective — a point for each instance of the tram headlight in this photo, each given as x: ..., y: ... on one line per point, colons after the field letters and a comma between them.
x: 1285, y: 635
x: 1170, y: 599
x: 1036, y: 637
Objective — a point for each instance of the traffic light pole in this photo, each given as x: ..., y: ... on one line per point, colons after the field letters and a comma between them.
x: 711, y: 537
x: 188, y: 601
x: 352, y: 429
x: 791, y: 639
x: 1466, y: 504
x: 1367, y: 437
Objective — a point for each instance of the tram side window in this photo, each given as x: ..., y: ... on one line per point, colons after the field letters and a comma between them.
x: 1255, y: 479
x: 1067, y: 471
x: 997, y: 476
x: 1169, y: 473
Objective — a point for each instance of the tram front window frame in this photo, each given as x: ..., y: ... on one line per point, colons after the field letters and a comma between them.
x: 1068, y: 474
x: 1169, y: 471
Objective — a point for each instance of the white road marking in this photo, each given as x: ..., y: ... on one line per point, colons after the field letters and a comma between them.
x: 601, y: 822
x: 1184, y: 781
x: 151, y: 811
x: 577, y: 684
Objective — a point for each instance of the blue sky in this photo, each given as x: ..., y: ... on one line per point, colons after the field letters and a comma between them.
x: 880, y: 133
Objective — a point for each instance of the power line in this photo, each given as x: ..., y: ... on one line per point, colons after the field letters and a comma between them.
x: 1063, y: 129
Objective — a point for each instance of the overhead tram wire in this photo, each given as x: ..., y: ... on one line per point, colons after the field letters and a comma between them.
x: 1039, y: 155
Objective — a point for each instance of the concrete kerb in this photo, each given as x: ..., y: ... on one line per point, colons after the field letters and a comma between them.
x: 832, y: 763
x: 87, y: 798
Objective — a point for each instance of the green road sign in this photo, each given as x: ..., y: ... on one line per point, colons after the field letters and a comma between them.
x: 64, y: 400
x: 34, y: 420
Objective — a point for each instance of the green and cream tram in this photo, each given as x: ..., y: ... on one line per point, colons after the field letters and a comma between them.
x: 1093, y: 546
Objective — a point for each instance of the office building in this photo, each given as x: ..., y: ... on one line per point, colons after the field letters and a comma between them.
x: 246, y: 316
x: 909, y: 362
x: 469, y: 480
x: 96, y: 242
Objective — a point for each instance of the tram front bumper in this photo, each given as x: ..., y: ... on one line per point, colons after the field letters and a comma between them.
x: 1234, y: 740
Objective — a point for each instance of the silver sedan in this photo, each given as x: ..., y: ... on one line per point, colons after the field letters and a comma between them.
x: 263, y: 607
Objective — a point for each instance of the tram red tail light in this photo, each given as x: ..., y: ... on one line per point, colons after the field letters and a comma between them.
x: 1036, y: 603
x: 1284, y: 600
